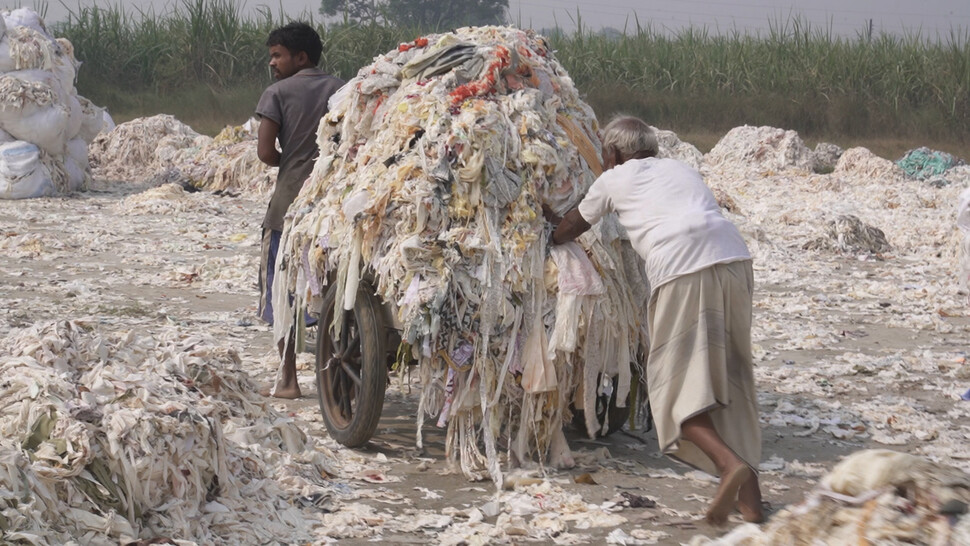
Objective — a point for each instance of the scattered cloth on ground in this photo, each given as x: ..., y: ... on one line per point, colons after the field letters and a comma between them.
x: 872, y: 497
x: 45, y: 126
x: 435, y: 163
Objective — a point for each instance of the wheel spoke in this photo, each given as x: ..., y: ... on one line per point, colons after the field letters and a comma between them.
x: 335, y: 345
x: 345, y: 399
x: 351, y: 346
x: 351, y: 373
x: 337, y: 388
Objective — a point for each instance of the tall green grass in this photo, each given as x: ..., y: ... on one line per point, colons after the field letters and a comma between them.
x: 793, y: 75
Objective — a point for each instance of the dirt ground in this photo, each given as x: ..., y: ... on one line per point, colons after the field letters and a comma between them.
x: 192, y: 261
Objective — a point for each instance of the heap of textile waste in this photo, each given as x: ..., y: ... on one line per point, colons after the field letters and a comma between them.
x: 45, y: 126
x: 925, y: 164
x: 435, y: 163
x: 161, y: 150
x: 108, y: 438
x: 875, y: 496
x: 848, y: 234
x: 963, y: 222
x: 760, y: 149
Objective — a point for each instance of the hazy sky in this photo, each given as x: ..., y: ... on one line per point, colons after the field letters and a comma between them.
x: 930, y: 17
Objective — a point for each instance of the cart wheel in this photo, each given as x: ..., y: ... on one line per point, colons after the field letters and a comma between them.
x: 351, y: 371
x: 605, y: 408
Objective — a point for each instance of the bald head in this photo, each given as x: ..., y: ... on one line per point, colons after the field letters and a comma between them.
x: 627, y: 137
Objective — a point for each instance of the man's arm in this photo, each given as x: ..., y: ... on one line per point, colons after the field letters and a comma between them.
x: 572, y: 225
x: 266, y: 142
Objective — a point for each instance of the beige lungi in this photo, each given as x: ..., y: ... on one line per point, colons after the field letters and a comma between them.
x: 700, y: 360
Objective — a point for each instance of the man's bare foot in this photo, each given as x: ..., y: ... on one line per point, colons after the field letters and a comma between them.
x: 287, y: 393
x: 751, y: 516
x: 749, y: 501
x: 727, y: 494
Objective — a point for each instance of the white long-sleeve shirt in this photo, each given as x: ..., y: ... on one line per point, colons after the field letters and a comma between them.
x: 670, y: 215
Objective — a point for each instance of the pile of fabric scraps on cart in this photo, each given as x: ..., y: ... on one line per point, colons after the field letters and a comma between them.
x: 116, y: 437
x: 435, y: 163
x: 45, y: 126
x: 872, y: 497
x: 161, y: 149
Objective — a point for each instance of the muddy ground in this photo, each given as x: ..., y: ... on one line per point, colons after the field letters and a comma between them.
x: 131, y: 263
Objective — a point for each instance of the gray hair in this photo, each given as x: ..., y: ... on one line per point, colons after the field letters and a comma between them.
x: 629, y: 135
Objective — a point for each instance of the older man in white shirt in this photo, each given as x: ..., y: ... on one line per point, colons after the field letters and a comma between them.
x: 699, y: 371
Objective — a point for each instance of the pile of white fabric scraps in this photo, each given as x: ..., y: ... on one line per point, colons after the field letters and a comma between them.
x: 116, y: 437
x: 963, y: 222
x: 160, y: 149
x: 872, y: 497
x: 435, y: 163
x: 45, y: 126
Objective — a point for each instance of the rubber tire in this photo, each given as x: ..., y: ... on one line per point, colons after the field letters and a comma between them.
x: 617, y: 416
x: 373, y: 363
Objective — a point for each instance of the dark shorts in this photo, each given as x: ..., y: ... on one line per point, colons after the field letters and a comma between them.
x: 267, y: 267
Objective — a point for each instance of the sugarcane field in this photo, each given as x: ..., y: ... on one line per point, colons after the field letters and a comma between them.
x: 464, y: 373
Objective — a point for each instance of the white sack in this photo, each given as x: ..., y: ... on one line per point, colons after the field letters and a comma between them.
x: 7, y: 63
x: 25, y: 17
x: 18, y: 159
x: 107, y: 123
x: 75, y: 117
x: 65, y: 64
x: 47, y: 128
x: 93, y: 119
x: 76, y: 163
x: 47, y: 87
x: 22, y: 175
x: 76, y: 175
x: 30, y: 49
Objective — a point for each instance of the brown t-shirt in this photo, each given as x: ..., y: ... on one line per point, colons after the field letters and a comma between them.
x: 297, y: 104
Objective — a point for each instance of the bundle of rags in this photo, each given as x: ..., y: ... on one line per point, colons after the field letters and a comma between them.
x: 435, y: 162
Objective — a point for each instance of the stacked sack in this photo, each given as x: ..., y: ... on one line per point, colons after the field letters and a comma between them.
x: 45, y: 127
x: 435, y: 163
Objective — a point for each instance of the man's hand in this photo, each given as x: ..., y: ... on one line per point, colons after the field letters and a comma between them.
x: 573, y: 225
x: 550, y: 216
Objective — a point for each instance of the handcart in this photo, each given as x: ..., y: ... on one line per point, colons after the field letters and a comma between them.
x: 352, y: 370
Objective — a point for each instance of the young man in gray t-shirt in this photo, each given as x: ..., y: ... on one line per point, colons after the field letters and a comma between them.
x: 289, y: 112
